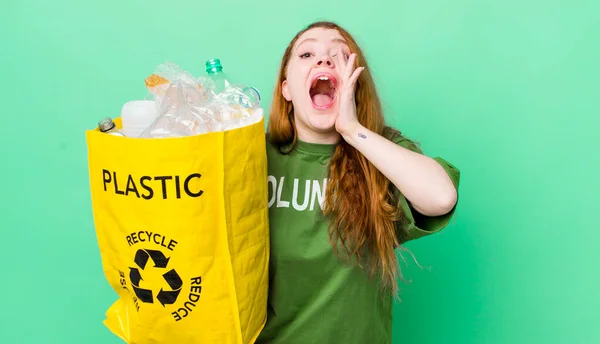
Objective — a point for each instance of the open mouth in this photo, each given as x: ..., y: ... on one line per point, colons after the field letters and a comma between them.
x: 322, y: 90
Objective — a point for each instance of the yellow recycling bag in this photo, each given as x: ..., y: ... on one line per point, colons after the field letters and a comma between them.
x: 182, y: 227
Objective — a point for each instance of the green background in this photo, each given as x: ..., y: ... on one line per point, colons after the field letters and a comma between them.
x: 506, y: 90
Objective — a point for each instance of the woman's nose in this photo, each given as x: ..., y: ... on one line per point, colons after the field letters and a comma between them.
x: 325, y: 61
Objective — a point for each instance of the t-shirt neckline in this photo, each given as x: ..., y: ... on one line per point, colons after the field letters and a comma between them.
x: 315, y: 148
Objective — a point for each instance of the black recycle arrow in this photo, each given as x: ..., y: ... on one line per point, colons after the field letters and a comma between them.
x: 167, y: 297
x: 144, y: 295
x: 159, y: 259
x: 141, y: 258
x: 173, y: 279
x: 134, y: 276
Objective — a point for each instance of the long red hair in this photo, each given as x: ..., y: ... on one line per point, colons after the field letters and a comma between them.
x: 358, y: 196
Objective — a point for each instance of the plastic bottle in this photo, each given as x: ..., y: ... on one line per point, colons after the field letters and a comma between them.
x: 253, y: 97
x: 107, y: 126
x: 183, y: 112
x: 136, y: 116
x: 223, y: 88
x: 218, y: 78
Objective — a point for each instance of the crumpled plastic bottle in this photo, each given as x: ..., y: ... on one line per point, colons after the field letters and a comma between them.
x: 182, y: 111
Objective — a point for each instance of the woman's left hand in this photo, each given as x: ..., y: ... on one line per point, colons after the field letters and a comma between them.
x: 346, y: 119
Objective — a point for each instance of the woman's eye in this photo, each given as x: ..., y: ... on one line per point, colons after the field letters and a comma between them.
x: 305, y: 55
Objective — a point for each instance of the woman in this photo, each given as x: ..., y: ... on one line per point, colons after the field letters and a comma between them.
x: 345, y: 192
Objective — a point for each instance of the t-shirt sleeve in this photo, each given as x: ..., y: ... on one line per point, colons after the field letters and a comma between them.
x: 414, y: 225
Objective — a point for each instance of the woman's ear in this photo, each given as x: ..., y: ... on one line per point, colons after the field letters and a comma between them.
x: 285, y: 91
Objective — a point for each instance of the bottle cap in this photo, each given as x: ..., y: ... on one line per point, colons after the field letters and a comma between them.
x: 213, y: 65
x: 106, y: 124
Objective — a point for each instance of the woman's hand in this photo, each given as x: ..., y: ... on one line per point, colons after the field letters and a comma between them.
x: 346, y: 120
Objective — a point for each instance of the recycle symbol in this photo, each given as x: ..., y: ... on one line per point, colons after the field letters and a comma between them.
x: 165, y: 297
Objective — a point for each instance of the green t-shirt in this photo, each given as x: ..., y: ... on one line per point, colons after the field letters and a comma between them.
x: 314, y: 297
